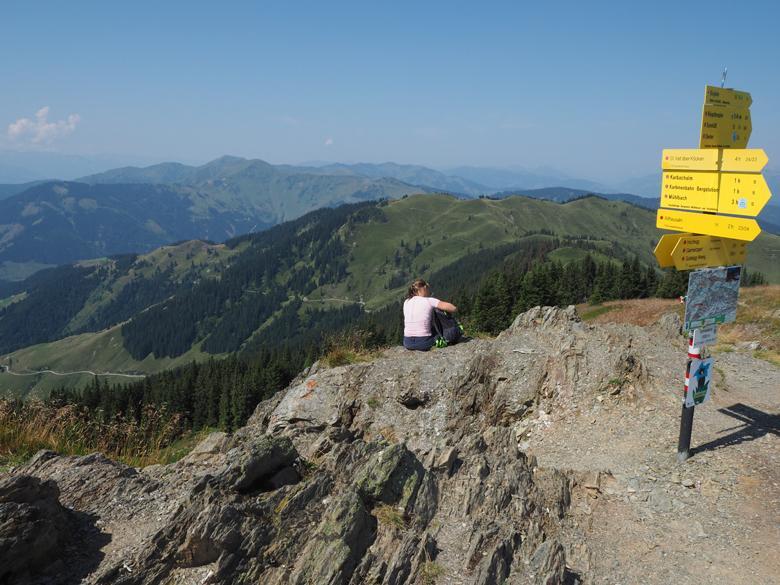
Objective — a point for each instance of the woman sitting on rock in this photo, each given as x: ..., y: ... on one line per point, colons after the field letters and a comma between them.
x: 418, y: 310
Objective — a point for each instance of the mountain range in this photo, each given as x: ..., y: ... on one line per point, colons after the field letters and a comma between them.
x: 135, y: 209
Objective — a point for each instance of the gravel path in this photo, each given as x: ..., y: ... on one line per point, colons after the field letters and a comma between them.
x: 713, y: 519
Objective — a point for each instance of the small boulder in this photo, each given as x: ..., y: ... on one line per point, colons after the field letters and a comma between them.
x: 391, y: 476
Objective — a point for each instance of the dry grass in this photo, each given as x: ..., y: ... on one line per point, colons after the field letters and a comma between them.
x: 758, y: 318
x: 349, y: 347
x: 634, y: 311
x: 27, y: 427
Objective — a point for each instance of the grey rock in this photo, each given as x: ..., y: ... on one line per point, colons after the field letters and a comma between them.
x: 340, y: 541
x: 259, y: 460
x: 33, y: 525
x: 548, y: 563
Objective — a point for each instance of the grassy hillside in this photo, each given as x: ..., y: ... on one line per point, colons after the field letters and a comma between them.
x: 270, y: 287
x: 456, y: 227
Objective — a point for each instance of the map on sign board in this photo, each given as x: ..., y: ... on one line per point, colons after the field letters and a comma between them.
x: 699, y: 382
x: 712, y: 297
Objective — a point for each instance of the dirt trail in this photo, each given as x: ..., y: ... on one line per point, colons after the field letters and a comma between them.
x: 648, y: 519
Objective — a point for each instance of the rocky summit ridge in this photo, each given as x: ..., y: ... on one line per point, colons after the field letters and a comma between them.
x: 408, y: 469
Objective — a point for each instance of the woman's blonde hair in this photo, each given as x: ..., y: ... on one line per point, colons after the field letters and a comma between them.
x: 415, y: 288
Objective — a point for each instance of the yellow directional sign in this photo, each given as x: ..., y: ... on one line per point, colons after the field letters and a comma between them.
x: 736, y: 251
x: 742, y: 160
x: 732, y: 193
x: 663, y: 250
x: 743, y: 193
x: 726, y: 97
x: 697, y: 191
x: 725, y: 127
x: 693, y: 159
x: 737, y: 228
x: 693, y: 251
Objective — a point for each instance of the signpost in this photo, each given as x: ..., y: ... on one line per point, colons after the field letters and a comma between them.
x: 703, y: 189
x: 705, y: 335
x: 740, y: 160
x: 697, y: 191
x: 742, y: 193
x: 664, y: 248
x: 694, y: 251
x: 743, y: 160
x: 737, y: 228
x: 725, y: 192
x: 725, y: 127
x: 699, y: 382
x: 712, y: 297
x: 726, y: 97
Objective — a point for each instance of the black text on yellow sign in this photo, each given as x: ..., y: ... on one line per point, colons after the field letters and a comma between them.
x: 737, y: 228
x: 695, y: 251
x: 731, y: 193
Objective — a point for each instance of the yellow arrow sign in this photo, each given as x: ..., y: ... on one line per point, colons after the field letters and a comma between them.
x: 725, y: 127
x: 743, y: 160
x: 743, y: 193
x: 697, y: 191
x: 726, y: 97
x: 694, y: 251
x: 737, y: 228
x: 736, y: 251
x: 732, y: 193
x: 663, y: 250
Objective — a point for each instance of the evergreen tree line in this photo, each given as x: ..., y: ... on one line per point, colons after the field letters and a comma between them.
x: 213, y: 394
x: 52, y: 300
x: 505, y: 293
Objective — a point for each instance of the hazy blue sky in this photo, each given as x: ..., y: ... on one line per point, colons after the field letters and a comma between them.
x: 595, y: 89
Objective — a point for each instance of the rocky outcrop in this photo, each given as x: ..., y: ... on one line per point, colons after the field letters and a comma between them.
x: 405, y: 470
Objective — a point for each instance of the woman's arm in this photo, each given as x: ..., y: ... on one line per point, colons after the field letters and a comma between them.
x: 445, y: 306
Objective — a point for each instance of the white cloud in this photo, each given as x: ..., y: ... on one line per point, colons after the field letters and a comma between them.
x: 328, y: 141
x: 39, y: 130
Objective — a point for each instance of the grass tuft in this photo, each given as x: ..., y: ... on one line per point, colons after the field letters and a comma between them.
x: 430, y: 572
x: 350, y: 347
x: 389, y: 516
x: 596, y: 311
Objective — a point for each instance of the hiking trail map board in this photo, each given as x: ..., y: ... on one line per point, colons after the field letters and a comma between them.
x: 712, y: 297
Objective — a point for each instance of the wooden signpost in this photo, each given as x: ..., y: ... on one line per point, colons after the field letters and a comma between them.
x: 710, y: 194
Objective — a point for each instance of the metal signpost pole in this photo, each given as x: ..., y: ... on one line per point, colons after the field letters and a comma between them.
x: 686, y: 418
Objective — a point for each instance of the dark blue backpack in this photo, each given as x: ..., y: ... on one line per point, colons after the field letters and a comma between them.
x: 446, y: 328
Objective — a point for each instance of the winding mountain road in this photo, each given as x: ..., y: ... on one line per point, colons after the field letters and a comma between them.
x: 7, y: 370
